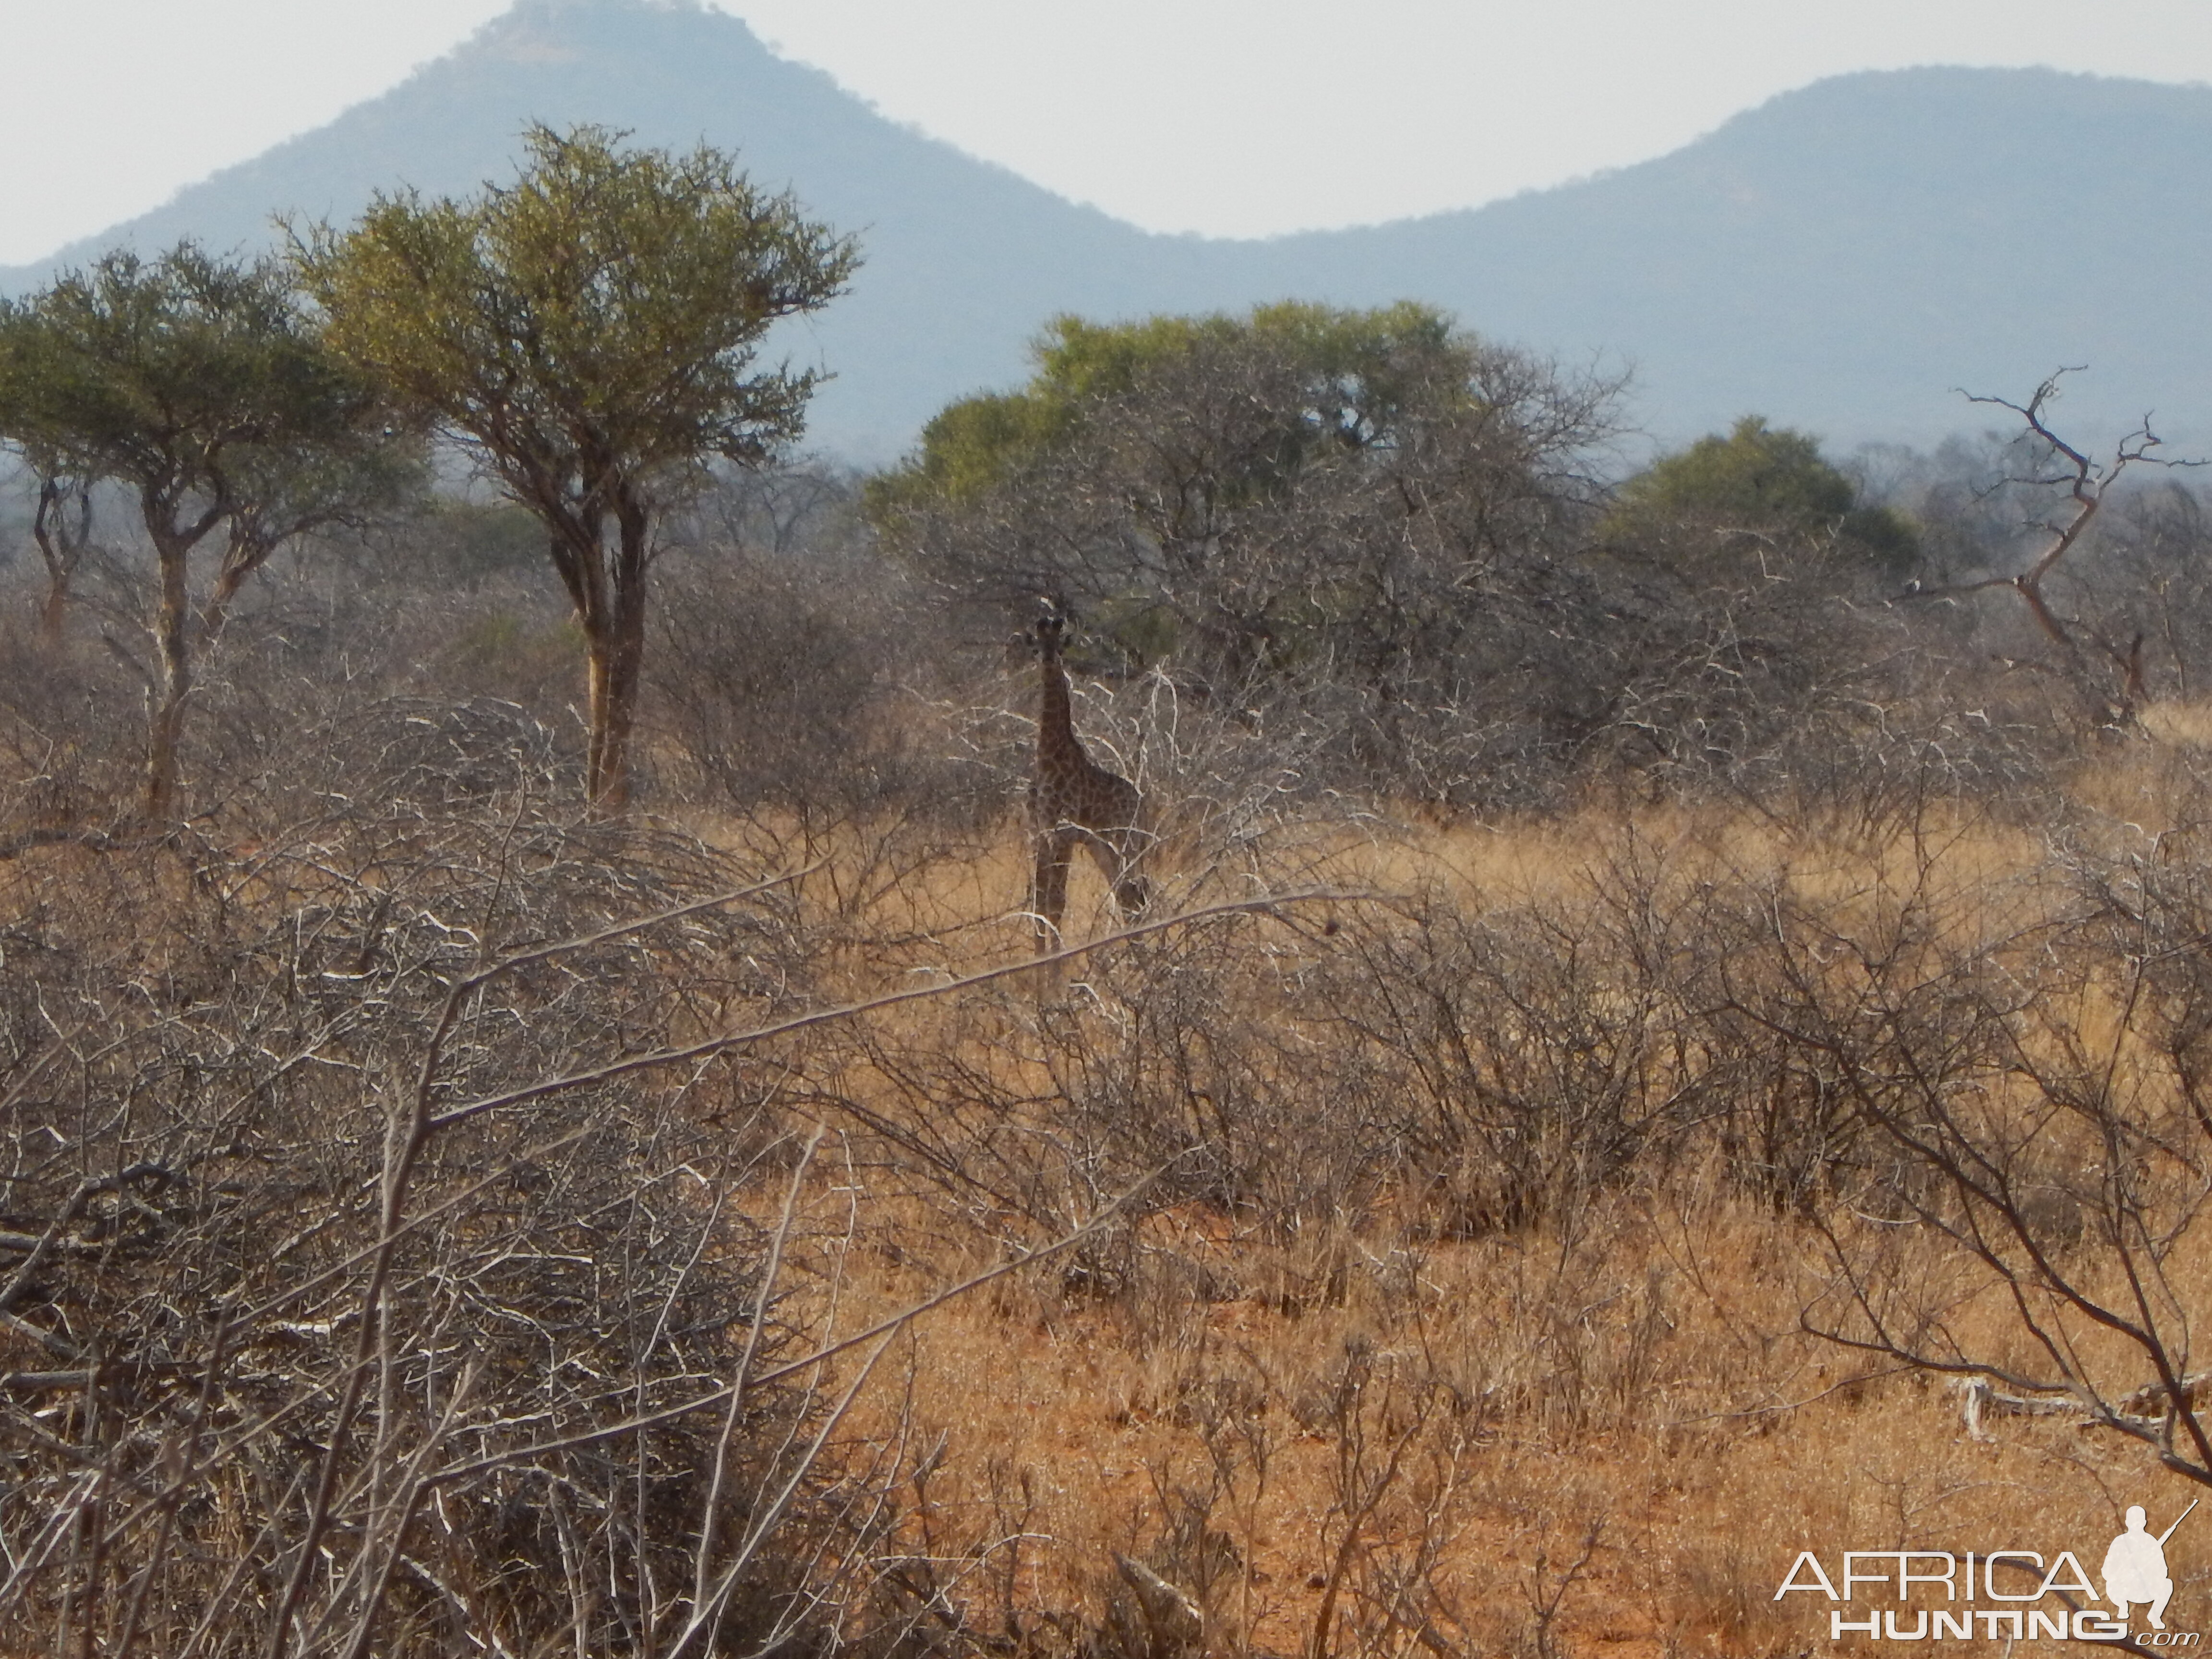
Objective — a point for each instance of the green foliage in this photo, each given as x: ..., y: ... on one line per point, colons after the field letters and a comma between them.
x: 1757, y: 471
x: 1760, y: 479
x: 1326, y: 515
x: 1365, y: 368
x: 190, y: 379
x: 468, y: 541
x: 589, y: 333
x: 968, y: 447
x: 595, y: 323
x: 1345, y: 380
x: 202, y: 386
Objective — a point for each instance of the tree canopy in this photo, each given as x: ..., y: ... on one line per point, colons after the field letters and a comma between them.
x: 1243, y: 474
x: 1327, y: 379
x: 199, y: 385
x: 1295, y: 504
x: 1760, y: 478
x: 589, y: 334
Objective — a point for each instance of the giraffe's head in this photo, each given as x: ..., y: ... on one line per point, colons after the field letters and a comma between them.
x: 1051, y: 628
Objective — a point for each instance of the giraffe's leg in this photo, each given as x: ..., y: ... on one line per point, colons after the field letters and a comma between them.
x: 1106, y: 856
x: 1116, y: 857
x: 1049, y: 889
x: 1133, y: 892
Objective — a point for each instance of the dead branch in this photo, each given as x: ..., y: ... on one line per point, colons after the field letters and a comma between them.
x: 1029, y: 965
x: 2087, y: 484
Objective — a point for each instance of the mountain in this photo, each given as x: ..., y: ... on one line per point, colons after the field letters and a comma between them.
x: 1843, y: 256
x: 1838, y: 258
x: 964, y: 260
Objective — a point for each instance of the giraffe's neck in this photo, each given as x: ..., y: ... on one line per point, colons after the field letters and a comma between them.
x: 1056, y: 720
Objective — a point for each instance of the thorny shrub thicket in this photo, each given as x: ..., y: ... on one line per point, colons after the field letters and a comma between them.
x: 335, y: 1319
x: 1868, y: 989
x: 1963, y: 1064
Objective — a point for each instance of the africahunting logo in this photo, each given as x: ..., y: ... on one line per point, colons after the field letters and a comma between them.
x: 1922, y: 1595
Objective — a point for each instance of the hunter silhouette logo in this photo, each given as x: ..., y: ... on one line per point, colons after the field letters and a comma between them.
x: 2060, y: 1607
x: 2134, y: 1567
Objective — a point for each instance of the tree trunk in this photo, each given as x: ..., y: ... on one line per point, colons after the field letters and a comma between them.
x: 172, y: 647
x: 616, y: 657
x: 173, y: 543
x: 599, y: 673
x: 217, y: 612
x: 615, y: 644
x: 615, y: 652
x: 61, y: 546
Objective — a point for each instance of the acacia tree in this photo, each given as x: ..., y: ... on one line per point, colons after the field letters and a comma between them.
x: 1758, y: 481
x: 2055, y: 465
x: 589, y: 336
x: 1355, y: 520
x: 1257, y: 484
x: 199, y: 385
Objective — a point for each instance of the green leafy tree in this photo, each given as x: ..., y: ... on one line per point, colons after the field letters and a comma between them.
x: 1350, y: 523
x: 200, y: 385
x: 1316, y: 381
x: 1298, y: 482
x: 1760, y: 479
x: 588, y: 335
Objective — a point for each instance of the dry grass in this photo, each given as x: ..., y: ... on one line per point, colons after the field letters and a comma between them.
x: 1464, y: 1311
x: 1635, y: 1377
x: 1650, y: 1379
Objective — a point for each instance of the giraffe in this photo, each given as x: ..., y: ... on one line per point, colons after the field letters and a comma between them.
x: 1075, y: 802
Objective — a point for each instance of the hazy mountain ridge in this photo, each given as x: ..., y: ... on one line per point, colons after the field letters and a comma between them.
x: 1839, y: 258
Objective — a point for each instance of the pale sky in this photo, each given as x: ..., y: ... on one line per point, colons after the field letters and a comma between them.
x: 1228, y: 117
